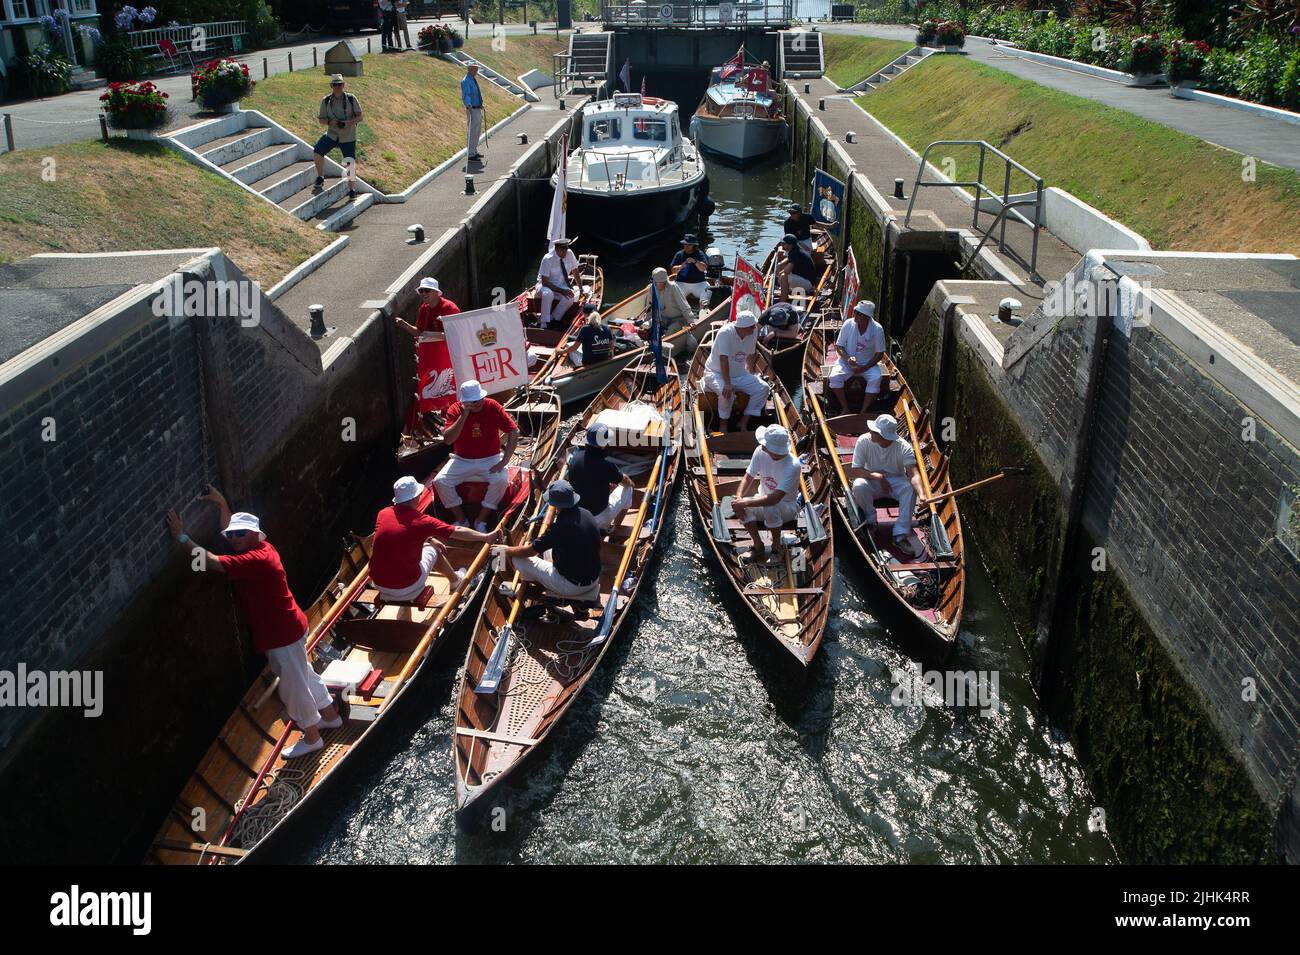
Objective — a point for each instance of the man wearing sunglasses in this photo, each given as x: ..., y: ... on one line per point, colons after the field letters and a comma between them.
x: 278, y: 624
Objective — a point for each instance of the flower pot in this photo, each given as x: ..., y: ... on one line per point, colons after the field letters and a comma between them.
x: 1145, y: 79
x: 147, y: 135
x: 951, y: 48
x: 444, y: 45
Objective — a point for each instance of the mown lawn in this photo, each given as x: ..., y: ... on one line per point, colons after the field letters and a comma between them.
x: 126, y: 196
x: 851, y: 59
x: 413, y: 114
x: 1178, y: 191
x: 514, y: 55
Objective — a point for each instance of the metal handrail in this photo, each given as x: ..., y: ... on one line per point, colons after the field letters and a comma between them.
x: 627, y: 165
x: 1004, y: 201
x: 697, y: 13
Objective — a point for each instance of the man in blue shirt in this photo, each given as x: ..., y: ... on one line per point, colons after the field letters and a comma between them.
x: 692, y: 277
x: 472, y: 97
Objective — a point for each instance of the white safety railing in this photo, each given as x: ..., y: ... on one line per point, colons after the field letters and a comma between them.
x: 187, y: 33
x: 697, y: 13
x: 619, y: 173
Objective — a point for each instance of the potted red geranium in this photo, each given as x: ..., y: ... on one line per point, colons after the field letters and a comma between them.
x: 219, y: 83
x: 135, y: 107
x: 1145, y: 57
x: 1186, y: 61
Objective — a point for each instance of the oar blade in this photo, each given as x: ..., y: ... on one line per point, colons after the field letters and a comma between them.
x: 491, y: 679
x: 816, y: 529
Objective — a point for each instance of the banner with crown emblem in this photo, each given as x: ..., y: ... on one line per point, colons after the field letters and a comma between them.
x: 488, y: 344
x: 749, y: 289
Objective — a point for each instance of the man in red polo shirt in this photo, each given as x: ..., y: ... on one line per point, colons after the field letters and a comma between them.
x: 473, y: 427
x: 404, y: 552
x: 433, y: 361
x: 278, y: 624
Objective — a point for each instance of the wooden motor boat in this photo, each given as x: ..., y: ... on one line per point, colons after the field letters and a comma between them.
x: 791, y: 598
x: 931, y: 588
x: 575, y: 381
x: 740, y: 117
x: 546, y: 663
x: 420, y: 447
x: 243, y: 792
x: 787, y: 344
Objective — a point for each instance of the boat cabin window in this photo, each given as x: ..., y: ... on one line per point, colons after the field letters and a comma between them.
x: 604, y: 130
x: 650, y: 130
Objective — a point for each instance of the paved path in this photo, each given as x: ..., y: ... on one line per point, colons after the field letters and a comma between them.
x: 74, y: 117
x: 1267, y: 139
x: 379, y: 251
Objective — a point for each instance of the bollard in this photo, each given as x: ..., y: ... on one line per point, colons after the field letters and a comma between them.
x: 523, y: 139
x: 821, y: 105
x: 314, y: 60
x: 291, y: 61
x: 898, y: 189
x: 368, y: 50
x: 1005, y: 309
x: 417, y: 233
x: 9, y: 131
x: 562, y: 106
x: 103, y: 127
x: 807, y: 87
x: 318, y: 329
x: 850, y: 137
x: 265, y: 70
x: 469, y: 185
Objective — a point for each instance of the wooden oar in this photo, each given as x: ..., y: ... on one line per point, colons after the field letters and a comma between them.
x: 940, y: 543
x: 816, y: 529
x: 1003, y: 472
x: 607, y: 619
x: 491, y: 678
x: 839, y: 465
x: 720, y: 532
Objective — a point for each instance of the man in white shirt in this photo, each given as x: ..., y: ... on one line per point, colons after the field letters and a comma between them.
x: 884, y: 464
x: 730, y: 368
x: 861, y: 345
x: 770, y: 490
x: 556, y: 280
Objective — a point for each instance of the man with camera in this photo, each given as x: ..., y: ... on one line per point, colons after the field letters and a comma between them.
x: 339, y: 114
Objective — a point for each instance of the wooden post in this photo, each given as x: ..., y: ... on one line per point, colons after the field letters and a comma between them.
x: 9, y: 131
x: 265, y: 69
x: 315, y: 61
x: 291, y: 61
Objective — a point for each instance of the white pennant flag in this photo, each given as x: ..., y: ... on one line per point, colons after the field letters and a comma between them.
x: 560, y: 201
x: 488, y: 344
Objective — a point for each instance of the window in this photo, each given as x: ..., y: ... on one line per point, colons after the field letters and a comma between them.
x: 650, y: 130
x: 604, y: 130
x: 83, y: 6
x: 19, y: 10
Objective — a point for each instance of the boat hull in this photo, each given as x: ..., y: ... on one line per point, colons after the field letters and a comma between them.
x: 740, y: 139
x: 626, y: 220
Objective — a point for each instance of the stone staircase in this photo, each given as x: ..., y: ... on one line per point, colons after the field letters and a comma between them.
x: 801, y: 55
x: 270, y: 161
x: 484, y: 71
x: 892, y: 70
x: 589, y: 55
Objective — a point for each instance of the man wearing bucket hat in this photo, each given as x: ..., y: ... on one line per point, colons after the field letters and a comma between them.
x: 603, y: 490
x: 473, y: 427
x: 730, y: 369
x: 859, y: 348
x: 557, y: 277
x: 884, y: 465
x: 691, y: 269
x: 437, y: 386
x: 434, y: 307
x: 572, y: 572
x: 769, y: 492
x: 278, y: 625
x: 403, y: 552
x: 799, y: 225
x: 339, y: 114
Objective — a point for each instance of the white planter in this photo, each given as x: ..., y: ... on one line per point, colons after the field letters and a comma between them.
x: 1144, y: 79
x: 147, y: 135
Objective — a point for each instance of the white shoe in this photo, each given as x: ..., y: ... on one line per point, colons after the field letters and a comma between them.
x: 460, y: 574
x: 481, y: 527
x: 303, y: 748
x: 330, y: 724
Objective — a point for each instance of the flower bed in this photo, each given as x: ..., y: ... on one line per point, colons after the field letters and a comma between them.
x: 439, y: 37
x: 134, y: 105
x: 1187, y: 60
x: 220, y: 82
x: 940, y: 33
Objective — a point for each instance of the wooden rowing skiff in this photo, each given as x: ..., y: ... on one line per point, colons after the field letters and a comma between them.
x: 787, y: 344
x: 930, y: 588
x: 243, y: 792
x: 791, y: 597
x: 576, y: 382
x: 547, y: 662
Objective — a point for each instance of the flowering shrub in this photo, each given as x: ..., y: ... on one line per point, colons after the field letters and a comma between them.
x: 1146, y: 54
x: 220, y: 81
x: 439, y: 36
x: 134, y: 105
x: 129, y: 18
x: 950, y: 33
x: 45, y: 72
x: 926, y: 31
x: 1187, y: 59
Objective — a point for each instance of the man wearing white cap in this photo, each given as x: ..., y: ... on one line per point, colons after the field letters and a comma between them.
x: 859, y: 347
x: 404, y: 552
x: 278, y: 625
x: 675, y: 312
x: 434, y: 307
x: 572, y: 571
x: 769, y: 492
x: 437, y: 385
x: 884, y: 465
x: 730, y: 369
x: 473, y: 427
x: 557, y: 277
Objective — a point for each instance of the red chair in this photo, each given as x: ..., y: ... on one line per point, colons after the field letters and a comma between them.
x: 173, y: 56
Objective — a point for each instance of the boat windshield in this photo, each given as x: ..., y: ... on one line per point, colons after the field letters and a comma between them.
x: 650, y: 130
x: 604, y: 130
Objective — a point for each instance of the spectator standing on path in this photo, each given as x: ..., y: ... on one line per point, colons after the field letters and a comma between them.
x: 387, y: 26
x: 339, y: 114
x: 402, y: 31
x: 472, y: 97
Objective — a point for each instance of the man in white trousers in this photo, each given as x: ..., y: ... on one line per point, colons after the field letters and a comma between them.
x: 859, y: 348
x: 730, y: 369
x: 278, y: 625
x: 472, y: 97
x: 557, y: 279
x: 769, y: 492
x: 474, y: 427
x: 884, y: 465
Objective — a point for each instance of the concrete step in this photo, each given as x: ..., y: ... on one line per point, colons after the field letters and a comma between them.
x: 226, y: 149
x: 307, y: 204
x: 289, y: 181
x: 265, y: 162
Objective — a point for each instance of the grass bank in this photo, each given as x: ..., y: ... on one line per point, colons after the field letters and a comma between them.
x: 851, y: 59
x: 125, y: 195
x: 413, y: 114
x: 1178, y: 191
x: 514, y: 55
